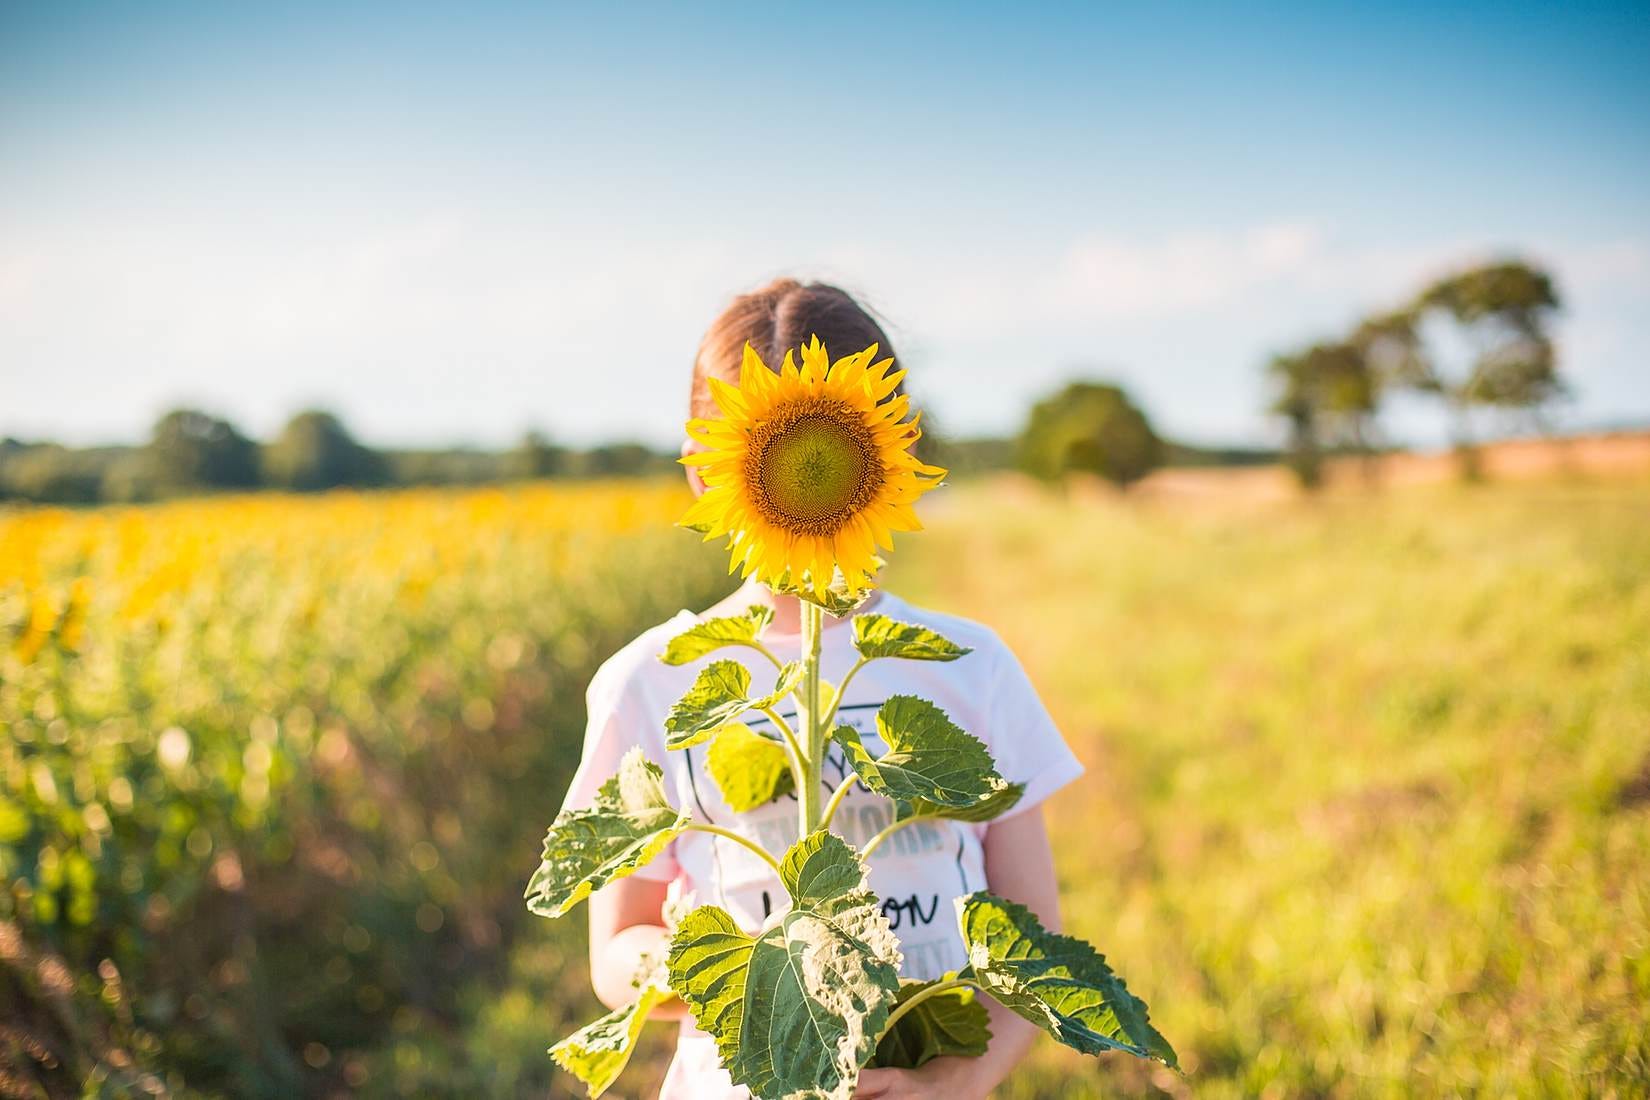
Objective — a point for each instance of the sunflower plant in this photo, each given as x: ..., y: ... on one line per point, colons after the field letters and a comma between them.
x: 808, y: 473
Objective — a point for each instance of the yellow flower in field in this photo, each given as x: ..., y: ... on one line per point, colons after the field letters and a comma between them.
x: 809, y: 470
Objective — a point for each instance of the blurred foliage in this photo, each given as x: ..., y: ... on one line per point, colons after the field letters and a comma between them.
x: 190, y: 449
x: 1500, y: 313
x: 970, y: 456
x: 47, y: 471
x: 1089, y: 427
x: 1368, y: 802
x: 1329, y: 395
x: 272, y: 771
x: 192, y: 452
x: 315, y: 451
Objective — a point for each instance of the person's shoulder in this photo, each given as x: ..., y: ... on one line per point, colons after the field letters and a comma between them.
x: 637, y: 661
x: 975, y: 635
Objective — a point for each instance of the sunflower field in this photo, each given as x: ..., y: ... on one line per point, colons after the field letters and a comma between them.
x: 272, y: 768
x: 1367, y: 809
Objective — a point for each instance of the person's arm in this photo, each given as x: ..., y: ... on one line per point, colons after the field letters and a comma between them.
x: 626, y: 925
x: 1019, y: 866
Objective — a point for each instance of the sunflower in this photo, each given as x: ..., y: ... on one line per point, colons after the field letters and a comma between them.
x: 809, y: 471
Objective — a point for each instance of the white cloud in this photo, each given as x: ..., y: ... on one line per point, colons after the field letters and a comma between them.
x: 1114, y: 277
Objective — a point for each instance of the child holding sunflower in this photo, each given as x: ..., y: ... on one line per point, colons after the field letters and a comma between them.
x: 819, y: 478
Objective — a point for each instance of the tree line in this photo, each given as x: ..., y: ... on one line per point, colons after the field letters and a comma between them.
x: 190, y: 451
x: 1477, y: 339
x: 1086, y: 426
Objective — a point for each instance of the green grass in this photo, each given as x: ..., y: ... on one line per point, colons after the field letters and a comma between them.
x: 1368, y: 801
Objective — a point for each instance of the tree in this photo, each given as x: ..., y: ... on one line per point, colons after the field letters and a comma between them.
x: 536, y: 456
x: 314, y: 451
x: 51, y: 473
x: 1298, y: 402
x: 190, y: 449
x: 1329, y: 393
x: 131, y: 477
x: 622, y: 460
x: 1502, y: 312
x: 1090, y: 427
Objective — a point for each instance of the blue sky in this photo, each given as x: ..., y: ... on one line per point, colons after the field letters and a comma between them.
x: 452, y: 223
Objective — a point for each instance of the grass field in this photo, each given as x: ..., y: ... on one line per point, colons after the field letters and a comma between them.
x: 1367, y: 809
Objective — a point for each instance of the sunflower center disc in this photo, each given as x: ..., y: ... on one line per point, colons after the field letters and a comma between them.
x: 815, y: 465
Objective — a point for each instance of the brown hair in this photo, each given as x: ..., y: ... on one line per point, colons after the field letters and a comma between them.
x: 777, y: 318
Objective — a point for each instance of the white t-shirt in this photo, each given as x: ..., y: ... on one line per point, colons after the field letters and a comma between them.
x: 918, y: 872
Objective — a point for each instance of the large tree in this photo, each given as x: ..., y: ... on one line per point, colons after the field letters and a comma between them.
x: 1296, y: 399
x: 1502, y: 313
x: 1089, y: 427
x: 1329, y: 394
x: 315, y: 451
x: 189, y: 449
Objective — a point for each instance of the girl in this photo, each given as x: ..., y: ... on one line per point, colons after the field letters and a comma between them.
x: 922, y: 869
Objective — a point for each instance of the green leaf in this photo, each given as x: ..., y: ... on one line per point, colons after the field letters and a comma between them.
x: 796, y: 1010
x: 790, y: 675
x: 929, y: 759
x: 994, y: 805
x: 718, y: 696
x: 713, y: 634
x: 880, y: 636
x: 750, y: 769
x: 597, y: 1053
x: 1059, y: 983
x: 629, y: 823
x: 837, y: 599
x: 952, y: 1021
x: 820, y: 870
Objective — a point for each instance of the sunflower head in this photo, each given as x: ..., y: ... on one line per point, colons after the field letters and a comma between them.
x: 809, y: 469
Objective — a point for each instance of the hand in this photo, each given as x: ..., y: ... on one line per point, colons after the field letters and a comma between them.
x: 941, y: 1079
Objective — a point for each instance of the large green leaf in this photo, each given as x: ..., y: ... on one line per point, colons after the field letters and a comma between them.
x: 751, y: 770
x: 880, y: 636
x: 719, y: 695
x: 629, y: 823
x: 994, y: 805
x: 713, y: 634
x: 597, y: 1053
x: 796, y: 1010
x: 952, y: 1021
x: 1059, y: 983
x: 929, y: 759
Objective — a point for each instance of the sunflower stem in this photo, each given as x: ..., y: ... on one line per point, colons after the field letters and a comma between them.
x: 876, y: 842
x: 743, y: 841
x: 766, y: 652
x: 811, y: 717
x: 836, y: 799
